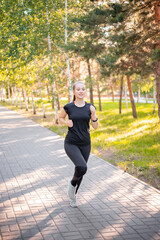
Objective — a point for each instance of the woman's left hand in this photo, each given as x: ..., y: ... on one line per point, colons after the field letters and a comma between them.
x: 93, y: 112
x: 94, y: 119
x: 92, y: 109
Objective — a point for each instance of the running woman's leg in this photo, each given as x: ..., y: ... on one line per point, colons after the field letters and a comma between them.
x: 79, y: 157
x: 85, y: 150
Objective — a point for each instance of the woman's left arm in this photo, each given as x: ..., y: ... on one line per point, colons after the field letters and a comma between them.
x: 94, y: 119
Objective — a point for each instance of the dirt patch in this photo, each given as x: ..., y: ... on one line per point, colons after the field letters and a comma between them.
x: 151, y: 177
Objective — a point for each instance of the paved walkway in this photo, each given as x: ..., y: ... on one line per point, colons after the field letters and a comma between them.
x: 34, y: 174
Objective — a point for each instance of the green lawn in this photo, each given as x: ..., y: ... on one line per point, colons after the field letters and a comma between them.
x: 136, y: 141
x: 132, y: 144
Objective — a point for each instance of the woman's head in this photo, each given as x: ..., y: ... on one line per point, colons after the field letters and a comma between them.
x: 79, y: 90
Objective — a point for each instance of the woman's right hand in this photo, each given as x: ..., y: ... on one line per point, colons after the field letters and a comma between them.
x: 69, y: 123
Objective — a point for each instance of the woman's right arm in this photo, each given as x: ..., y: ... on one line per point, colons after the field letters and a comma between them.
x: 62, y: 119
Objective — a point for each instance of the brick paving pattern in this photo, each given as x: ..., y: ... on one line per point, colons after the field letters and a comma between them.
x: 34, y: 174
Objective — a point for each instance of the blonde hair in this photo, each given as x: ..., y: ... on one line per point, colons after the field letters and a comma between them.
x: 74, y: 86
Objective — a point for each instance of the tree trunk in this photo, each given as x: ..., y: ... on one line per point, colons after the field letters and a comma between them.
x: 67, y: 57
x: 69, y: 77
x: 121, y: 93
x: 90, y: 79
x: 158, y: 86
x: 146, y: 97
x: 98, y: 90
x: 9, y: 94
x: 40, y: 92
x: 131, y: 97
x: 112, y: 91
x: 154, y: 97
x: 48, y: 92
x: 72, y: 65
x: 33, y: 105
x: 25, y: 100
x: 126, y: 98
x: 58, y: 102
x: 15, y: 89
x: 22, y: 95
x: 157, y: 17
x: 12, y: 96
x: 55, y: 105
x: 53, y: 98
x: 99, y: 96
x: 157, y: 12
x: 20, y: 98
x: 5, y: 94
x: 1, y: 93
x: 139, y: 94
x: 51, y: 66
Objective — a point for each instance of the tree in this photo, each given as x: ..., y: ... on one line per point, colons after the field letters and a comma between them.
x: 86, y: 43
x: 140, y: 39
x: 121, y: 93
x: 132, y: 39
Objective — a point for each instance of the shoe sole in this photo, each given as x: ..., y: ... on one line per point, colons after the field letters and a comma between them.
x: 73, y: 206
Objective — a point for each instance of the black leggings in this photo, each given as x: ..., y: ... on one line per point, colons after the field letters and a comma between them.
x: 79, y: 156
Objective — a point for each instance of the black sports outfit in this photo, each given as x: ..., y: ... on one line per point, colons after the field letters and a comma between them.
x: 77, y: 142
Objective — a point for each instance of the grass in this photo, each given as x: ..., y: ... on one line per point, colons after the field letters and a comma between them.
x: 131, y: 144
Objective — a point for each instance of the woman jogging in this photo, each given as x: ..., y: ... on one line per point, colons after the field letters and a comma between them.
x: 77, y: 142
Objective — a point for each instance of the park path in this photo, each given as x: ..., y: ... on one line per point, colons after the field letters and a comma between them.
x: 34, y: 174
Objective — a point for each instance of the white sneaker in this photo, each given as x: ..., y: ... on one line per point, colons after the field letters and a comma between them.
x: 71, y: 191
x: 73, y: 203
x: 71, y: 195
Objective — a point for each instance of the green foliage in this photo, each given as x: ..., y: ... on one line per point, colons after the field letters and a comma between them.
x: 87, y: 43
x: 129, y: 48
x: 155, y: 55
x: 24, y: 41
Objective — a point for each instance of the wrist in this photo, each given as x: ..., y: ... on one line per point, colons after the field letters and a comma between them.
x: 95, y: 119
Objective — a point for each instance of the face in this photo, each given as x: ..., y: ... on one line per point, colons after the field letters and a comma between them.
x: 80, y: 90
